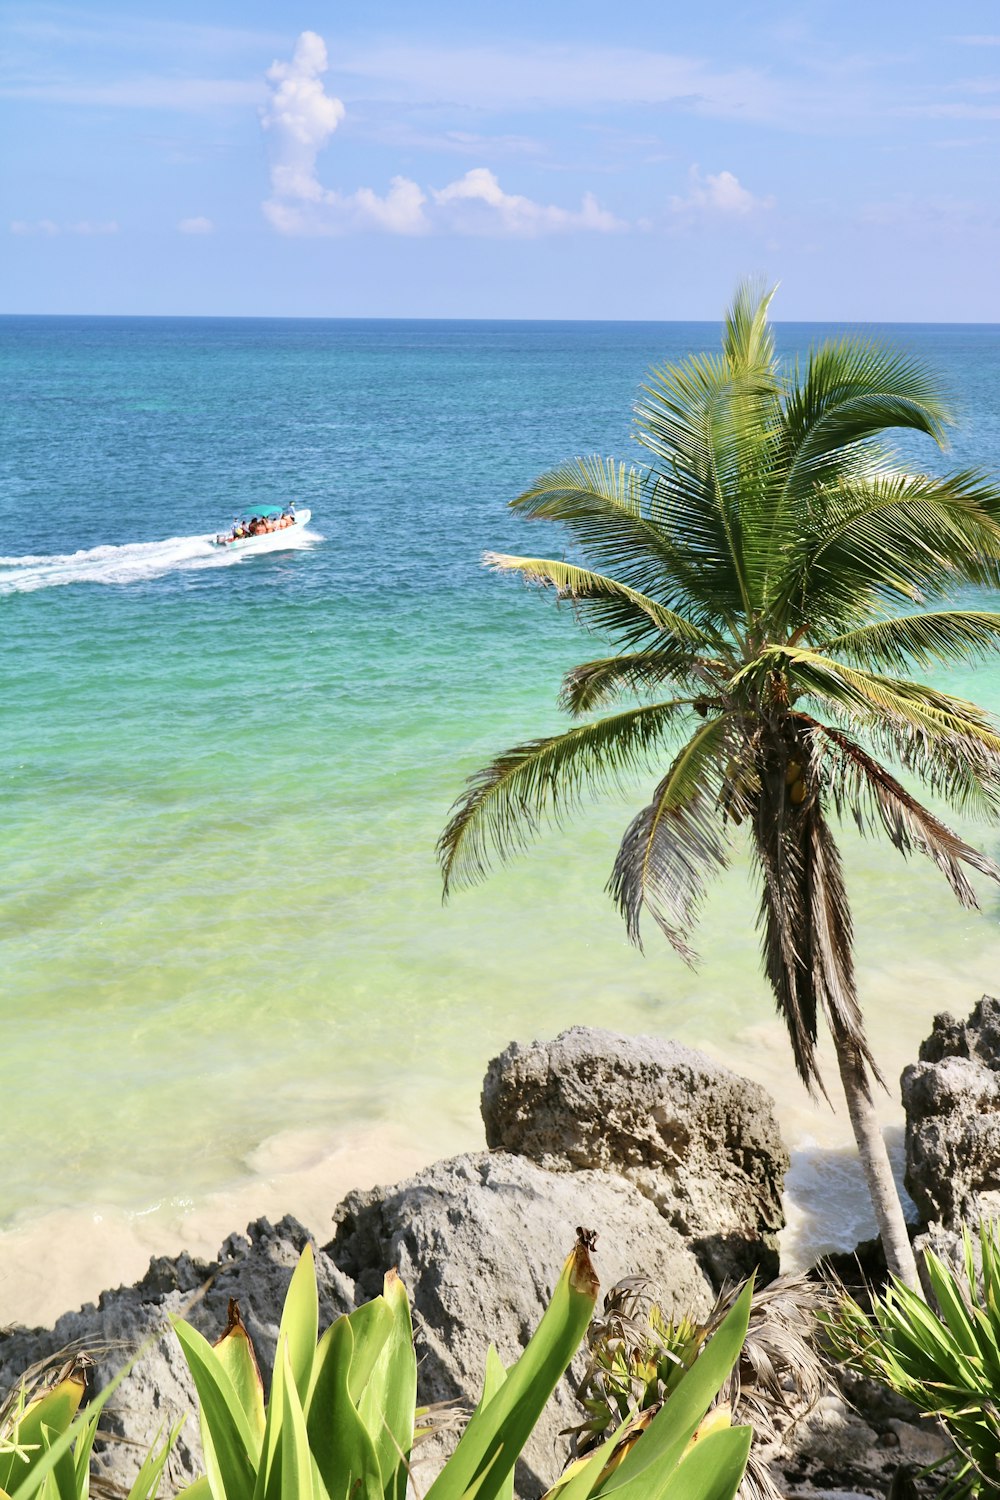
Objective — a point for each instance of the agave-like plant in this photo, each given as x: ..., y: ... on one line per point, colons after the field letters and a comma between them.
x: 46, y: 1441
x: 340, y: 1421
x: 750, y: 576
x: 946, y: 1361
x: 639, y: 1355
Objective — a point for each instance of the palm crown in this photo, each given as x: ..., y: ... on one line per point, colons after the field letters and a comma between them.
x: 748, y: 575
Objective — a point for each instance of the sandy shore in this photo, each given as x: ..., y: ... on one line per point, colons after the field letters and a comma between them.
x: 55, y: 1262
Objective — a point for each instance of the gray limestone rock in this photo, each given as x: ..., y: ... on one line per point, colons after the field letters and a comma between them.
x: 255, y: 1269
x: 699, y: 1141
x: 952, y: 1102
x: 480, y: 1241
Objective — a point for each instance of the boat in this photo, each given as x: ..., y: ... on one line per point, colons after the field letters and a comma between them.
x: 270, y: 536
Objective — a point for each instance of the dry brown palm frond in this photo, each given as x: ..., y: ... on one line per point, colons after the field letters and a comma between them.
x: 779, y: 1376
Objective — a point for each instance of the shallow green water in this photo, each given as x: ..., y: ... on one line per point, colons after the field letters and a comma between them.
x: 222, y: 778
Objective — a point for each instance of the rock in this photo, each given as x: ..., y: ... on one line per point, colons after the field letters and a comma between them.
x: 833, y: 1452
x: 952, y: 1102
x: 697, y: 1140
x: 256, y: 1270
x: 480, y: 1241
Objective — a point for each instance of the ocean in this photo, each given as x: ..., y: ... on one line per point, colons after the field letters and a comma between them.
x: 224, y: 956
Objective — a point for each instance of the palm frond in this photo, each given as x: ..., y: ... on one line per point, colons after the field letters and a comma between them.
x: 747, y: 336
x: 892, y: 536
x: 853, y: 389
x: 619, y: 607
x: 672, y: 848
x: 805, y: 920
x: 869, y: 696
x: 508, y: 801
x: 860, y: 786
x: 595, y: 684
x: 941, y: 636
x: 602, y: 505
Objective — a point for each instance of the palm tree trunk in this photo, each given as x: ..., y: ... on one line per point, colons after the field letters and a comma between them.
x: 875, y: 1161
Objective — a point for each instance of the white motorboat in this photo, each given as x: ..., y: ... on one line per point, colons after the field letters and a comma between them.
x: 263, y: 528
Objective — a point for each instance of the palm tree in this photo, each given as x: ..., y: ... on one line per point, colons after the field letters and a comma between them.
x: 748, y: 574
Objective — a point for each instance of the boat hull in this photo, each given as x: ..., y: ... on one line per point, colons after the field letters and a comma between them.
x: 268, y: 541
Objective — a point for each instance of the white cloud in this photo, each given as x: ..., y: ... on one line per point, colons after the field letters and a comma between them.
x: 300, y: 118
x: 718, y: 194
x: 50, y: 227
x: 197, y: 225
x: 477, y: 204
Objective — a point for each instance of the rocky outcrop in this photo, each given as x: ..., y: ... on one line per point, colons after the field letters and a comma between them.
x: 701, y: 1143
x: 952, y: 1102
x: 675, y: 1162
x: 255, y: 1268
x: 480, y: 1241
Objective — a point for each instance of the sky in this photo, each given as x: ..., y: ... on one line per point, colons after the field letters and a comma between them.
x: 536, y: 158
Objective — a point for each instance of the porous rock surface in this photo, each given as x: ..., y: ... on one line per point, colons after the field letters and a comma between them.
x: 700, y: 1142
x: 255, y: 1268
x: 480, y: 1241
x: 952, y: 1102
x: 675, y: 1162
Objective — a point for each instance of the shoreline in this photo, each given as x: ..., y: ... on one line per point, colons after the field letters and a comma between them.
x: 59, y: 1260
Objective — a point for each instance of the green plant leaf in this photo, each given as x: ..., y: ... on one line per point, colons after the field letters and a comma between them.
x: 491, y: 1443
x: 371, y: 1324
x: 147, y: 1481
x: 670, y: 1431
x: 54, y: 1409
x: 340, y: 1442
x: 227, y: 1437
x: 300, y: 1320
x: 235, y: 1353
x: 389, y: 1398
x: 296, y: 1460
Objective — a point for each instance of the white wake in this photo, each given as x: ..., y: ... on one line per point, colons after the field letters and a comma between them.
x: 135, y: 562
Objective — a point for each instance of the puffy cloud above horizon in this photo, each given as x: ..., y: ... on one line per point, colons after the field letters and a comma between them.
x: 300, y: 118
x: 198, y: 225
x: 719, y: 193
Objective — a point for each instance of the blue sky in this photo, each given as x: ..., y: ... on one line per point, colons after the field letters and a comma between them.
x: 518, y: 160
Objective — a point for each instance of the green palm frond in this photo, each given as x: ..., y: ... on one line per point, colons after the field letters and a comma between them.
x: 747, y: 335
x: 894, y: 536
x: 678, y: 841
x: 595, y: 684
x: 942, y: 636
x: 852, y: 390
x: 868, y: 695
x: 618, y: 606
x: 619, y: 485
x: 601, y: 505
x: 508, y: 801
x: 860, y: 786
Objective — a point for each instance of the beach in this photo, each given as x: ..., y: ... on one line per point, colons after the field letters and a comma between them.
x: 231, y: 988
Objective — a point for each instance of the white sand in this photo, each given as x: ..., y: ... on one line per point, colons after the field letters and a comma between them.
x: 53, y: 1263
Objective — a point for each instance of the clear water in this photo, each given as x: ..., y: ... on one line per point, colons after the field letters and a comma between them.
x: 223, y: 775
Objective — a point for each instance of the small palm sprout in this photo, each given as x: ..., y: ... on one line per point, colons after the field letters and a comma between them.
x: 638, y: 1356
x: 751, y: 576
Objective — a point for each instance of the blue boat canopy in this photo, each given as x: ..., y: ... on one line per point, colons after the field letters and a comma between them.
x: 262, y: 510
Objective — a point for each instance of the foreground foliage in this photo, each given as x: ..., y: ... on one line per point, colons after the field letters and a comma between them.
x: 751, y: 575
x: 639, y: 1356
x: 342, y: 1417
x: 947, y: 1363
x: 46, y: 1442
x: 340, y: 1421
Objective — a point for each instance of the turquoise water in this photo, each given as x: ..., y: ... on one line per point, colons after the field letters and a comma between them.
x: 223, y: 776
